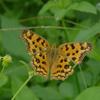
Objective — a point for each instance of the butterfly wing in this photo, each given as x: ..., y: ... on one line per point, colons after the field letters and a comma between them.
x: 37, y: 47
x: 67, y: 53
x: 75, y: 51
x: 61, y: 69
x: 35, y: 42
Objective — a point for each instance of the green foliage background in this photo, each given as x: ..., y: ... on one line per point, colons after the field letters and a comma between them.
x: 71, y: 21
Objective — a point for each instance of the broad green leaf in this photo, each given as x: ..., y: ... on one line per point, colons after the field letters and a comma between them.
x: 3, y: 79
x: 59, y: 13
x: 84, y: 6
x: 11, y: 39
x: 17, y: 69
x: 84, y: 35
x: 55, y: 5
x: 92, y: 93
x: 84, y: 78
x: 47, y: 93
x: 59, y: 8
x: 46, y: 7
x: 67, y: 90
x: 94, y: 67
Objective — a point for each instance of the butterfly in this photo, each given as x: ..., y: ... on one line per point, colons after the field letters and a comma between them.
x: 51, y: 61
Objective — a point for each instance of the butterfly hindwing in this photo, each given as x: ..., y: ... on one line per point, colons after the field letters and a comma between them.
x: 61, y: 69
x: 40, y: 62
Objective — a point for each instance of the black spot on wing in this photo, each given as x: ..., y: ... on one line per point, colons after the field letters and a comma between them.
x: 73, y: 58
x: 40, y: 48
x: 65, y: 60
x: 40, y: 54
x: 59, y: 66
x: 30, y: 36
x: 34, y: 50
x: 77, y: 51
x: 66, y: 46
x: 43, y: 57
x: 68, y: 54
x: 73, y: 53
x: 38, y: 39
x: 72, y: 46
x: 43, y: 62
x: 66, y: 66
x: 43, y: 42
x: 37, y: 60
x: 33, y: 42
x: 82, y: 48
x: 58, y: 71
x: 62, y: 71
x: 35, y: 46
x: 61, y: 60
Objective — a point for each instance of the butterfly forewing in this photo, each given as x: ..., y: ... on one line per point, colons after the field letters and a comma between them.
x: 35, y: 42
x: 37, y: 47
x: 75, y: 52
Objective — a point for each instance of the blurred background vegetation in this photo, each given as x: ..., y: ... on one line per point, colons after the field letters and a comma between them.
x: 58, y: 21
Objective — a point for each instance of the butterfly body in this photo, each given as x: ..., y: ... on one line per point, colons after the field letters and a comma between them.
x: 52, y: 54
x: 52, y: 61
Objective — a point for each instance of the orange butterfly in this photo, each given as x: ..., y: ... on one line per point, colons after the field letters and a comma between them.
x: 52, y: 61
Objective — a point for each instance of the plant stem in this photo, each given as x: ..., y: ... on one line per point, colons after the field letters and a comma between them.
x: 2, y: 69
x: 18, y: 91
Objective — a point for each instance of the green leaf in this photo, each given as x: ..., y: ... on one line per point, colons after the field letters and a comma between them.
x: 84, y: 7
x: 98, y: 6
x: 92, y: 93
x: 3, y: 79
x: 59, y: 8
x: 25, y: 93
x: 84, y: 35
x: 47, y: 93
x: 94, y: 67
x: 46, y: 7
x: 55, y: 5
x: 67, y: 90
x: 59, y: 13
x: 11, y: 39
x: 95, y: 55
